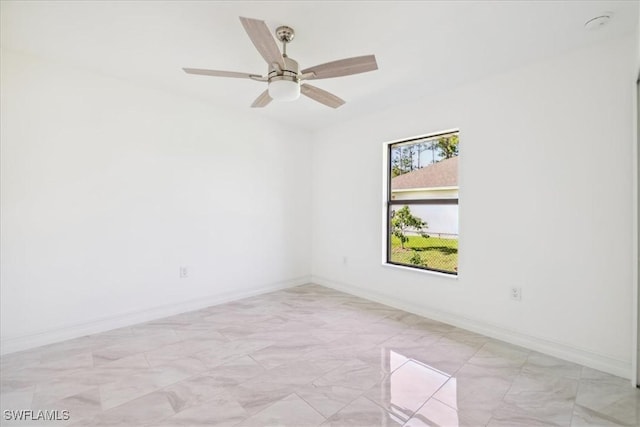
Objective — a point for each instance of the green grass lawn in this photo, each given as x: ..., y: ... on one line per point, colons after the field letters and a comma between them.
x: 434, y: 252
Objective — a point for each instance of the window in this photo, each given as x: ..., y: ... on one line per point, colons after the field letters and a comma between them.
x: 422, y: 203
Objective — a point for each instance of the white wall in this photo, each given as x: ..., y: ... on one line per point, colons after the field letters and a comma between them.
x: 553, y: 136
x: 108, y: 188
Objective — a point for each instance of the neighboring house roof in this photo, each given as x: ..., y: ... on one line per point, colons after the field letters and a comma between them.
x: 441, y: 174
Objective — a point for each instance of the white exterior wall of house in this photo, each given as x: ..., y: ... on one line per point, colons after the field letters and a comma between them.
x: 442, y: 220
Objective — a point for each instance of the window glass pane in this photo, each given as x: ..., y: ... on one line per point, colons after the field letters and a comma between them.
x: 425, y: 169
x: 424, y: 236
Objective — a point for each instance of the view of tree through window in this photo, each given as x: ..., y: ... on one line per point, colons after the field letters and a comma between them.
x: 422, y: 203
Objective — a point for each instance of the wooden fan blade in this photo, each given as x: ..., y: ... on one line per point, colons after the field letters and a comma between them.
x: 218, y: 73
x: 262, y: 100
x: 320, y: 95
x: 263, y: 40
x: 343, y: 67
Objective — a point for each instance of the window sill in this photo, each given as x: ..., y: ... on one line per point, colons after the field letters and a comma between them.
x: 421, y: 271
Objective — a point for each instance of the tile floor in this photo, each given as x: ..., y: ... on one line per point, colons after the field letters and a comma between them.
x: 307, y: 356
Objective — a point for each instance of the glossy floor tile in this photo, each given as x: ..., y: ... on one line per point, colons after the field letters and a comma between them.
x: 306, y: 356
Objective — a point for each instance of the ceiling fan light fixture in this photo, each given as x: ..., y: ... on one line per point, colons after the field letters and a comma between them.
x: 282, y: 88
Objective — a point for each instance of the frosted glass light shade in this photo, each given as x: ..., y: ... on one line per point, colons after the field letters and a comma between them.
x: 284, y: 90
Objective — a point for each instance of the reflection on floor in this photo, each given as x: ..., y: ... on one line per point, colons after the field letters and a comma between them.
x: 307, y: 356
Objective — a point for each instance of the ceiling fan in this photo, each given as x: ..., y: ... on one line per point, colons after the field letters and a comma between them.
x: 283, y: 76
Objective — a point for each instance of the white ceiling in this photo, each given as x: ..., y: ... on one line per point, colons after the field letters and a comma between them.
x: 421, y: 47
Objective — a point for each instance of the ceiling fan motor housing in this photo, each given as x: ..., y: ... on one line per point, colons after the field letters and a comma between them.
x: 284, y: 85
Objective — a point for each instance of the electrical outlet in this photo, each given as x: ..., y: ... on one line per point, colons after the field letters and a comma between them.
x: 184, y: 273
x: 516, y: 293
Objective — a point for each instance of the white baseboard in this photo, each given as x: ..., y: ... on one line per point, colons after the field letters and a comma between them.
x: 584, y: 357
x: 19, y: 343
